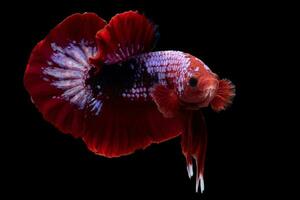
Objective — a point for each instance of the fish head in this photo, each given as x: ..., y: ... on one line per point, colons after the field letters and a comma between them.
x: 199, y: 85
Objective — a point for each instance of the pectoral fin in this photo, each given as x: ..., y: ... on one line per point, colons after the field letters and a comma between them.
x: 224, y: 95
x: 166, y: 100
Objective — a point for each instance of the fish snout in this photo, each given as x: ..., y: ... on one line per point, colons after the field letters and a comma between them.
x: 210, y: 89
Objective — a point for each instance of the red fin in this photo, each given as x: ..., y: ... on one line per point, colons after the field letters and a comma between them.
x: 166, y: 100
x: 193, y: 144
x: 58, y: 65
x: 126, y: 35
x: 55, y: 78
x: 122, y: 128
x: 224, y: 95
x: 76, y: 27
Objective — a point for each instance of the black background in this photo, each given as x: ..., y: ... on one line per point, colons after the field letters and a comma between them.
x: 228, y: 37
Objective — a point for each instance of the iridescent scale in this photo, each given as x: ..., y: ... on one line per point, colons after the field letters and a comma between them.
x: 68, y: 70
x: 164, y: 67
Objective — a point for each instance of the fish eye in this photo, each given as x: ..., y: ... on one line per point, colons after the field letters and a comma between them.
x: 193, y: 82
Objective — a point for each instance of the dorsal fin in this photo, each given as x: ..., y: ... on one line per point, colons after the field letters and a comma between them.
x: 127, y: 34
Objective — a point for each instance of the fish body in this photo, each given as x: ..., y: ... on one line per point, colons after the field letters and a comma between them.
x: 133, y: 80
x: 103, y: 83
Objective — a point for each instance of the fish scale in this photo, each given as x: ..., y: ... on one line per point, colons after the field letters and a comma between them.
x: 162, y: 67
x: 142, y: 72
x: 149, y: 69
x: 101, y: 82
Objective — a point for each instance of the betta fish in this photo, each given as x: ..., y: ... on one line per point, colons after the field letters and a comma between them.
x: 102, y: 82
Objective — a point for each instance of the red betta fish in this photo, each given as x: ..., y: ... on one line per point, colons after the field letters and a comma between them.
x: 101, y: 82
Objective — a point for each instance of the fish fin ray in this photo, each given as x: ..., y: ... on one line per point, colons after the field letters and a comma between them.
x: 123, y: 128
x: 224, y: 96
x: 193, y: 144
x: 166, y: 100
x: 57, y: 69
x: 126, y: 35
